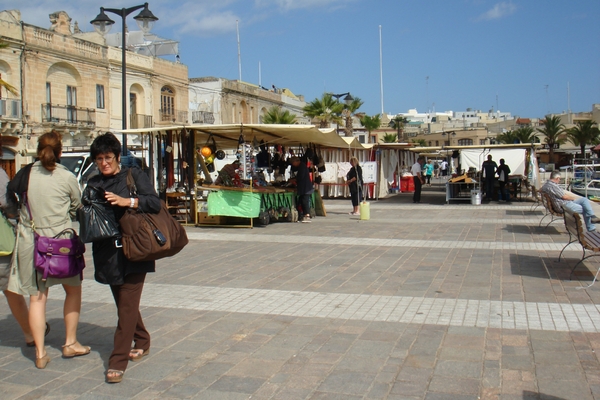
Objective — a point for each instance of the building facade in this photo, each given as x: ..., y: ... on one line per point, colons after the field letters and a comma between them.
x: 223, y: 101
x: 71, y: 82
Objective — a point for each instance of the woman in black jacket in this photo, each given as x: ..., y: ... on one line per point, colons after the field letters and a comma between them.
x: 354, y: 180
x: 126, y: 278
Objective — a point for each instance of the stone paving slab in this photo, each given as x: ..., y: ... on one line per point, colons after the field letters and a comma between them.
x: 336, y: 309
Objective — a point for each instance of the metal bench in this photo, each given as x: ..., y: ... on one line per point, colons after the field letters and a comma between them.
x: 589, y: 241
x: 550, y: 210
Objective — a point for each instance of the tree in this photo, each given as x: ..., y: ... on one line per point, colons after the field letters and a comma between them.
x: 553, y: 130
x: 371, y: 123
x: 509, y: 137
x: 3, y: 84
x: 583, y: 134
x: 420, y: 142
x: 351, y: 110
x: 389, y: 138
x: 275, y: 115
x: 398, y: 124
x: 325, y: 110
x: 526, y: 134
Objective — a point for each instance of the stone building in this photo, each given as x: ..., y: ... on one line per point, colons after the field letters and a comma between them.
x: 71, y: 82
x: 223, y: 101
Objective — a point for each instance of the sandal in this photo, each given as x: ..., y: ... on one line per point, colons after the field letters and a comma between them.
x: 68, y: 352
x: 32, y: 343
x: 138, y: 354
x: 41, y: 362
x: 117, y: 376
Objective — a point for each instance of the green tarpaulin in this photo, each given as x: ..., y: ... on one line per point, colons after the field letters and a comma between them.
x: 233, y: 203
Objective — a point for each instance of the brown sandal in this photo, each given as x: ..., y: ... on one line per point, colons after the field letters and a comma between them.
x: 68, y: 352
x: 117, y: 376
x: 138, y: 354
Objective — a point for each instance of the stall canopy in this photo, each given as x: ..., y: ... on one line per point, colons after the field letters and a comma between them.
x: 227, y: 136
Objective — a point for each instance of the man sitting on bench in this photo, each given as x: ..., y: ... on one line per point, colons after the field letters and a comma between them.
x: 561, y: 198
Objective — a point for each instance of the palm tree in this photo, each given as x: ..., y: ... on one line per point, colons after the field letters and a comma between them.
x: 275, y: 115
x: 325, y: 110
x: 3, y: 84
x: 553, y: 130
x: 350, y: 110
x: 420, y: 142
x: 371, y: 123
x: 398, y: 124
x: 583, y: 134
x: 507, y: 137
x: 526, y: 134
x: 389, y: 138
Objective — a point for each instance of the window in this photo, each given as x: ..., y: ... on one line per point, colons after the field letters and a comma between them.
x: 100, y: 96
x: 48, y: 93
x: 437, y: 142
x: 481, y: 141
x: 71, y: 103
x: 465, y: 142
x: 167, y: 103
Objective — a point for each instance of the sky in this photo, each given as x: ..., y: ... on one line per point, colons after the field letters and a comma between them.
x: 517, y: 56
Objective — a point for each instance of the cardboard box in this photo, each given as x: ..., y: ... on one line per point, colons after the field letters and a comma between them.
x: 205, y: 219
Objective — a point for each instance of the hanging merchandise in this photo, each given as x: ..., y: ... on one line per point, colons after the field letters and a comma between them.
x: 220, y: 154
x: 247, y: 161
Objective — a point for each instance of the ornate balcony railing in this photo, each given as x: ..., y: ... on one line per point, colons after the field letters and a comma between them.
x: 174, y: 116
x: 203, y: 117
x: 137, y: 121
x: 68, y: 115
x: 10, y: 108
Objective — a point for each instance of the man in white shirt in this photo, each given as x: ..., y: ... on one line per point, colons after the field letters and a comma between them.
x: 417, y: 172
x: 444, y: 168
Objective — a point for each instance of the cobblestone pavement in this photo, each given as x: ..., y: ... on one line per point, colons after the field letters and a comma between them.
x: 423, y: 301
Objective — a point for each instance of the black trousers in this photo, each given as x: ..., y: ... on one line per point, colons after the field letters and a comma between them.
x: 356, y: 197
x: 304, y: 205
x: 417, y: 194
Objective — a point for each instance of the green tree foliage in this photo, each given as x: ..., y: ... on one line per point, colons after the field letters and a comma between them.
x: 526, y: 134
x: 507, y: 137
x: 389, y: 138
x: 553, y: 130
x: 398, y: 124
x: 420, y: 142
x: 371, y: 122
x: 585, y: 133
x: 325, y: 110
x: 275, y: 115
x: 351, y: 110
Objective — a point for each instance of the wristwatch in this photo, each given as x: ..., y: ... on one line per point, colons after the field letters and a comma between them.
x: 131, y: 202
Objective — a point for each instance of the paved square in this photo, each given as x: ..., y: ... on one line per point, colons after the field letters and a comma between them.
x: 427, y: 301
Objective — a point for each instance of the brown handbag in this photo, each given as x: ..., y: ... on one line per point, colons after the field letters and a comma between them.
x: 148, y: 237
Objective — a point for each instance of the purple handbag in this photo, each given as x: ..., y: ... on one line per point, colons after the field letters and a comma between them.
x: 57, y: 257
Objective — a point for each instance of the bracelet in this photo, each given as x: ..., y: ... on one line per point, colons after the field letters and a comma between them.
x: 131, y: 202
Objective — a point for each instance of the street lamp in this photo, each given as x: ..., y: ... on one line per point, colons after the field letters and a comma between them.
x: 348, y: 100
x: 102, y: 24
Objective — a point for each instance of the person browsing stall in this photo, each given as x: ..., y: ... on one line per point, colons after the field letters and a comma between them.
x: 417, y: 172
x: 354, y: 180
x: 304, y: 188
x: 489, y: 168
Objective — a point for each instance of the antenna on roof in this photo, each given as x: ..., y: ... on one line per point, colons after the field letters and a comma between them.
x: 237, y: 28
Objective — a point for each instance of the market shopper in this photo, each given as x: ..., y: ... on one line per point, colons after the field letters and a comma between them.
x: 417, y: 172
x: 561, y: 198
x: 444, y: 168
x: 354, y: 181
x: 304, y: 188
x: 489, y: 168
x: 428, y: 172
x: 126, y: 278
x: 50, y: 196
x: 503, y: 172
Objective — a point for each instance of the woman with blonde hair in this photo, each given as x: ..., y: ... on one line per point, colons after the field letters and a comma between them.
x: 50, y: 196
x: 354, y: 180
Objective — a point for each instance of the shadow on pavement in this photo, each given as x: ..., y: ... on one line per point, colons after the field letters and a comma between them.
x: 533, y: 230
x: 527, y: 395
x: 550, y: 267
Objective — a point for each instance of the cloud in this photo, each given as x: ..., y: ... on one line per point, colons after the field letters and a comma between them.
x: 499, y: 10
x: 287, y: 5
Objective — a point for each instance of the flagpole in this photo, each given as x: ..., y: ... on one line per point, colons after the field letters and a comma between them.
x: 381, y: 69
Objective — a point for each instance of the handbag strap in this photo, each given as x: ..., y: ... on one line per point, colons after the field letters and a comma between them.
x: 131, y: 184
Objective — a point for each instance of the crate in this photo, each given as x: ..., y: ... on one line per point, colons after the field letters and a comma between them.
x: 205, y: 219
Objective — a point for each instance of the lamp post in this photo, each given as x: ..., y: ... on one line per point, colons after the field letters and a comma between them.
x: 348, y: 100
x: 102, y: 24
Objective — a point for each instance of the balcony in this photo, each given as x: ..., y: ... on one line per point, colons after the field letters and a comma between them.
x: 138, y: 121
x: 68, y: 115
x: 173, y: 116
x: 203, y: 117
x: 10, y: 109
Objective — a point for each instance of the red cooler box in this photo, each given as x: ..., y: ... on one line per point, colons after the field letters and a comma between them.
x: 407, y: 184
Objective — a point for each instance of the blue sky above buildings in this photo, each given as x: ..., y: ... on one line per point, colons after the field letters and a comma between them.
x: 516, y: 55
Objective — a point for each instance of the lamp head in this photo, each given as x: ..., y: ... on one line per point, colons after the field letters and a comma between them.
x: 145, y: 19
x: 348, y: 99
x: 102, y: 23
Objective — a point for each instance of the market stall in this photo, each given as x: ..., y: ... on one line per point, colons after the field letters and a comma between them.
x: 174, y: 151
